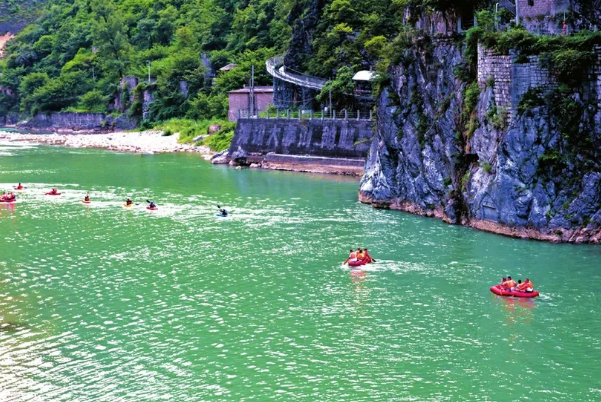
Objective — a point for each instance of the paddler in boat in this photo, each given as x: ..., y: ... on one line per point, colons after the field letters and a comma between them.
x: 360, y: 255
x: 510, y: 284
x: 222, y: 211
x: 129, y: 201
x: 87, y: 197
x: 527, y: 286
x: 368, y: 257
x: 19, y: 187
x: 352, y: 256
x: 54, y: 191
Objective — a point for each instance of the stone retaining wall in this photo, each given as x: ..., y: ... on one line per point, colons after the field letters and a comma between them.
x: 512, y: 80
x: 315, y: 137
x: 79, y: 122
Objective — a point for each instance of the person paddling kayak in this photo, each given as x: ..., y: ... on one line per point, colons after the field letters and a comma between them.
x: 87, y: 197
x: 128, y: 202
x: 19, y: 187
x: 222, y: 211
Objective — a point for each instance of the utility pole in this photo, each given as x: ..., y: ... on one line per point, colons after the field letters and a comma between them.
x: 148, y: 61
x: 252, y: 91
x: 517, y: 12
x: 330, y: 109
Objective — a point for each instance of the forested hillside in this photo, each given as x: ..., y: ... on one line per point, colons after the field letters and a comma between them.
x: 74, y: 56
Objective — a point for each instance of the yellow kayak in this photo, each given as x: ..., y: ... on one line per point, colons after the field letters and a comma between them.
x: 128, y: 206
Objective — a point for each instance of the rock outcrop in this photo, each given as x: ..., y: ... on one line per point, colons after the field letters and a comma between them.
x: 531, y: 174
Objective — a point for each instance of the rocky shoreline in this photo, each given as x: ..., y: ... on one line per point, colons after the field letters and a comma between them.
x: 145, y: 142
x: 557, y: 235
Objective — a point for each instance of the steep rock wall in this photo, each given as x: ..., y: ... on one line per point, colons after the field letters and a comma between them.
x: 533, y: 174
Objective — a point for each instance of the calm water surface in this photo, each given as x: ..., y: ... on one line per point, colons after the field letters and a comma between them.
x: 102, y: 303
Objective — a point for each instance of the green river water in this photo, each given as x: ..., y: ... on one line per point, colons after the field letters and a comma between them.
x: 103, y: 303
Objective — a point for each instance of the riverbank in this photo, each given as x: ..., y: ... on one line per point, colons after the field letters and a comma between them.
x: 554, y: 235
x: 145, y: 142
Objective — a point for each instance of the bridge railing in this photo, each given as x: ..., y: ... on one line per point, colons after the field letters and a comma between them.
x: 276, y: 68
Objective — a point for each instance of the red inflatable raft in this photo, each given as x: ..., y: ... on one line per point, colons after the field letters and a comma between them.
x: 356, y: 263
x: 504, y: 292
x: 7, y: 201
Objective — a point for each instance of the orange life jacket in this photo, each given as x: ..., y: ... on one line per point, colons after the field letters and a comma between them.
x: 511, y: 284
x: 523, y: 286
x: 360, y: 256
x: 353, y: 256
x: 530, y: 285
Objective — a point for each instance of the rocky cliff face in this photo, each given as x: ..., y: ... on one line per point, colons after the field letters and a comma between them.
x: 533, y: 174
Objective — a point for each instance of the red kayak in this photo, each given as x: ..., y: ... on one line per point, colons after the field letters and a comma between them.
x: 152, y: 209
x: 357, y: 263
x: 53, y: 193
x: 504, y: 292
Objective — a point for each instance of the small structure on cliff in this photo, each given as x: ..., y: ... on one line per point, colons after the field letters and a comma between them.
x: 242, y: 101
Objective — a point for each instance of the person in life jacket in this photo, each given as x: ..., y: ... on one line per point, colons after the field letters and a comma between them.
x: 152, y: 204
x: 87, y: 197
x: 503, y: 284
x: 53, y: 191
x: 510, y: 284
x: 367, y: 256
x: 352, y: 255
x: 360, y: 255
x: 529, y: 286
x: 19, y: 187
x: 128, y: 202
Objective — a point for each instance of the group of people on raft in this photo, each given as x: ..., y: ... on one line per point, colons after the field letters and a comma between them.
x: 512, y: 286
x: 8, y: 197
x: 359, y: 255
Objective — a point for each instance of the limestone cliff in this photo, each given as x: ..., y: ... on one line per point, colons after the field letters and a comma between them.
x: 530, y: 172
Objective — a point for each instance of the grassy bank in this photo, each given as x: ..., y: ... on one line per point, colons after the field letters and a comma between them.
x: 190, y: 129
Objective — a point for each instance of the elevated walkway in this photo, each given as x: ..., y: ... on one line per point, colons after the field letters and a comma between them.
x: 275, y: 67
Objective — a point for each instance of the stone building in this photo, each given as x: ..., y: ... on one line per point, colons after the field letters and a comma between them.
x: 240, y: 102
x: 545, y: 16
